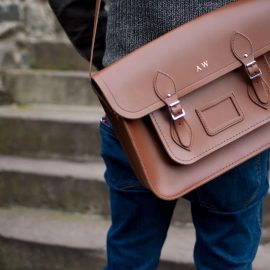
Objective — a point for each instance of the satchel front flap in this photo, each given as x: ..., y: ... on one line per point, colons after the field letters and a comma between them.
x: 221, y: 112
x: 193, y: 55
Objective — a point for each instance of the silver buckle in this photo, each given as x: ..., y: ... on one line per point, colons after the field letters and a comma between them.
x: 176, y: 117
x: 259, y: 74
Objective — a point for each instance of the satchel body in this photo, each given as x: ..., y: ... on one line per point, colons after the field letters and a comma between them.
x: 193, y: 103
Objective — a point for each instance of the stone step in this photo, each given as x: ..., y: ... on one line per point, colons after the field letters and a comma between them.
x: 49, y: 87
x: 8, y: 29
x: 52, y: 54
x: 67, y: 132
x: 70, y: 187
x: 62, y: 185
x: 5, y: 98
x: 9, y: 11
x: 41, y: 239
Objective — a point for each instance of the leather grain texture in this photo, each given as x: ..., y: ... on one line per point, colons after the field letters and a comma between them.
x: 193, y: 103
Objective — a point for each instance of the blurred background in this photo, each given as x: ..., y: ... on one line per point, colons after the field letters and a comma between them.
x: 54, y: 210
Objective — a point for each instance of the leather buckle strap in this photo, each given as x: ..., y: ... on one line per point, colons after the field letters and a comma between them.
x: 165, y: 89
x: 242, y: 49
x: 253, y: 70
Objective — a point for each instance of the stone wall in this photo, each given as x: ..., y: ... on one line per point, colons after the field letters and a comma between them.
x: 22, y: 21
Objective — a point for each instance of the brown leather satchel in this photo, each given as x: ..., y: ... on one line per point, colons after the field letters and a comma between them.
x: 193, y: 103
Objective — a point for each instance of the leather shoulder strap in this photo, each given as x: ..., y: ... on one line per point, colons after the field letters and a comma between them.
x: 97, y: 10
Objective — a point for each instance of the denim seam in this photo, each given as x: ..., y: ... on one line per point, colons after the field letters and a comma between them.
x: 125, y: 187
x: 259, y: 219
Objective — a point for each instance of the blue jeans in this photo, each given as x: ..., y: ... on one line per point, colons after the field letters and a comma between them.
x: 226, y: 212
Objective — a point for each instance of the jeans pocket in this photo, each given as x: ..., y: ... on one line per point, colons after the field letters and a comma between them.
x: 119, y: 174
x: 238, y: 188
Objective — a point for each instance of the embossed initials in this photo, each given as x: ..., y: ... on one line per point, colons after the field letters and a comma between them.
x: 202, y: 66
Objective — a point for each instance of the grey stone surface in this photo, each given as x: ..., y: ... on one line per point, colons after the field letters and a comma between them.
x: 62, y: 185
x: 8, y: 28
x: 54, y: 55
x: 182, y: 214
x: 49, y: 87
x: 38, y: 19
x: 9, y: 11
x: 69, y: 186
x: 7, y: 58
x: 5, y: 98
x: 56, y: 132
x: 262, y: 261
x: 81, y: 114
x: 267, y: 210
x: 30, y: 33
x: 54, y: 227
x: 266, y: 233
x: 31, y: 21
x: 21, y: 255
x: 42, y: 239
x: 59, y: 237
x: 35, y: 16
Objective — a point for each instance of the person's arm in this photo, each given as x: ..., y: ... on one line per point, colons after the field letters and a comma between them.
x: 76, y: 17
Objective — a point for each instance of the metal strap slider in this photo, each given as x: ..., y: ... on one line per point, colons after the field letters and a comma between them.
x: 253, y: 70
x: 176, y: 113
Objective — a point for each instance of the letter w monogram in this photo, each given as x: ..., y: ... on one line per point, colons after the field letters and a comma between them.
x: 202, y: 66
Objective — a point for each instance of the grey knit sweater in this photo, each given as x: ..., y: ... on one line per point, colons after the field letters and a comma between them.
x: 127, y: 25
x: 132, y: 23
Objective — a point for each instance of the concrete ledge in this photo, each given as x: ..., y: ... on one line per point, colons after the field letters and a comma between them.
x: 49, y: 87
x: 71, y: 187
x: 50, y: 132
x: 34, y: 238
x: 53, y: 54
x: 62, y: 185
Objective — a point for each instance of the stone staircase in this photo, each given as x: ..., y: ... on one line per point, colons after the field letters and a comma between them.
x: 54, y: 210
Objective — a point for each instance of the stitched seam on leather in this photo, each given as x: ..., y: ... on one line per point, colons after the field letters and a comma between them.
x: 178, y: 142
x: 218, y: 130
x: 215, y: 146
x: 205, y: 179
x: 178, y: 91
x: 229, y: 124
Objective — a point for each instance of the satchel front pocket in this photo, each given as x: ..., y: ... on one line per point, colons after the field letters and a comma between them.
x: 220, y: 114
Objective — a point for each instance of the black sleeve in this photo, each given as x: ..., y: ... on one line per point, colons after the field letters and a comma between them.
x: 76, y: 17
